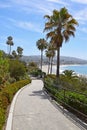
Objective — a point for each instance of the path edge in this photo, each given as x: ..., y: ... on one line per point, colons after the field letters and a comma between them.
x: 10, y: 115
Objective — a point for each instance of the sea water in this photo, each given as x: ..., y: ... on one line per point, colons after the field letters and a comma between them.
x: 80, y: 69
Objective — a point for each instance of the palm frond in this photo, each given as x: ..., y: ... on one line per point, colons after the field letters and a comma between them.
x: 73, y: 22
x: 48, y: 26
x: 50, y: 34
x: 47, y: 16
x: 70, y: 33
x: 71, y: 27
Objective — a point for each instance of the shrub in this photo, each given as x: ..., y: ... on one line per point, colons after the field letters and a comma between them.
x: 32, y: 64
x: 66, y: 95
x: 6, y: 96
x: 17, y: 69
x: 2, y: 117
x: 4, y: 67
x: 10, y: 90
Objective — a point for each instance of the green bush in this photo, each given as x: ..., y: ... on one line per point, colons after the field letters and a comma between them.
x: 2, y: 117
x: 17, y: 69
x: 32, y: 64
x: 4, y: 67
x: 6, y: 96
x: 10, y: 90
x: 66, y: 95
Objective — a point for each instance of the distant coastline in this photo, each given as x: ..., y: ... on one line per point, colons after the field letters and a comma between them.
x: 80, y: 68
x: 64, y: 60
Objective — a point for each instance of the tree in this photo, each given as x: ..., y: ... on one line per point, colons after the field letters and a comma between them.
x: 10, y: 43
x: 17, y: 69
x: 48, y: 55
x: 41, y: 45
x: 19, y: 51
x: 60, y: 26
x: 70, y: 74
x: 4, y: 69
x: 51, y: 48
x: 14, y: 54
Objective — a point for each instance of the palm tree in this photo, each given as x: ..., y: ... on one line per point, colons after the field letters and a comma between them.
x: 70, y: 74
x: 60, y: 26
x: 14, y: 54
x: 19, y: 51
x: 10, y: 43
x: 41, y: 45
x: 48, y: 55
x: 51, y: 49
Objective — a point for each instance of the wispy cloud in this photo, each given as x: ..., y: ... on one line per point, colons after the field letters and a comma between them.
x: 81, y: 16
x: 31, y: 6
x: 25, y: 25
x: 1, y: 44
x: 59, y: 2
x: 80, y: 1
x: 38, y: 6
x: 83, y: 29
x: 4, y: 5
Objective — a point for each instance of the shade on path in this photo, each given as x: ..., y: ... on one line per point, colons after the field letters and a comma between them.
x: 34, y: 111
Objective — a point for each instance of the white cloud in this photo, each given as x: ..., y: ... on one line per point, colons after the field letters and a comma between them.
x: 2, y: 44
x: 31, y: 6
x: 81, y: 16
x: 39, y: 6
x: 58, y: 1
x: 4, y: 5
x: 83, y: 29
x: 26, y: 25
x: 80, y: 1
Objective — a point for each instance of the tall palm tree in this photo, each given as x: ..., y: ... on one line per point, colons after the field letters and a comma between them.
x: 48, y: 55
x: 60, y: 26
x: 10, y: 43
x: 51, y: 49
x: 41, y: 45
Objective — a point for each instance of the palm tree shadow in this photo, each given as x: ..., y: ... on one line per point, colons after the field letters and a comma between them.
x: 39, y: 93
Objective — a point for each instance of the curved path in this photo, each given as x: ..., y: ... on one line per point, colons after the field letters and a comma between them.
x: 34, y: 111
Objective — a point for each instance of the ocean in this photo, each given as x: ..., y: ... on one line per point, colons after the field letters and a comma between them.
x: 79, y: 69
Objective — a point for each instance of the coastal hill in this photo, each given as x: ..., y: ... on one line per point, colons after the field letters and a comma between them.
x: 63, y: 60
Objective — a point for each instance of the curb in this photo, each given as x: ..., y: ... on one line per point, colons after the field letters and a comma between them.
x: 10, y: 115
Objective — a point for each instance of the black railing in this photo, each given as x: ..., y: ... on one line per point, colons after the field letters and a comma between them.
x: 74, y: 101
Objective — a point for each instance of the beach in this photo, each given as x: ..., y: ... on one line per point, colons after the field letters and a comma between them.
x: 80, y: 70
x: 45, y: 69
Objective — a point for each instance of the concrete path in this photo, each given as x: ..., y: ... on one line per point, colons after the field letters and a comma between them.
x: 34, y: 111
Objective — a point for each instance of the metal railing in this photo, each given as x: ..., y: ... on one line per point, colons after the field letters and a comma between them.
x: 69, y: 99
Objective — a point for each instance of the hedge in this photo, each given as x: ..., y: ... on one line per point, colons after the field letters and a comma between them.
x: 6, y: 96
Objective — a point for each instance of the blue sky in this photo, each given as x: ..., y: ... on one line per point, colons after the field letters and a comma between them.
x: 24, y: 21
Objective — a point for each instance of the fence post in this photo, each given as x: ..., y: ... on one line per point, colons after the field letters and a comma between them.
x: 64, y: 94
x: 64, y: 99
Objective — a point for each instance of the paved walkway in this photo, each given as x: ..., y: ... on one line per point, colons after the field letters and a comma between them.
x: 33, y: 111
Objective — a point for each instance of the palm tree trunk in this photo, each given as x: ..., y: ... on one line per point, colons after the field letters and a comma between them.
x: 41, y: 59
x: 58, y: 62
x: 10, y: 50
x: 51, y: 65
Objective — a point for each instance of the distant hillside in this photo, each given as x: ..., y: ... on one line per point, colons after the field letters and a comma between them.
x: 63, y: 60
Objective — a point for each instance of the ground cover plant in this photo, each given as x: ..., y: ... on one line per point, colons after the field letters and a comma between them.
x: 69, y: 90
x: 6, y: 96
x: 34, y: 70
x: 13, y: 76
